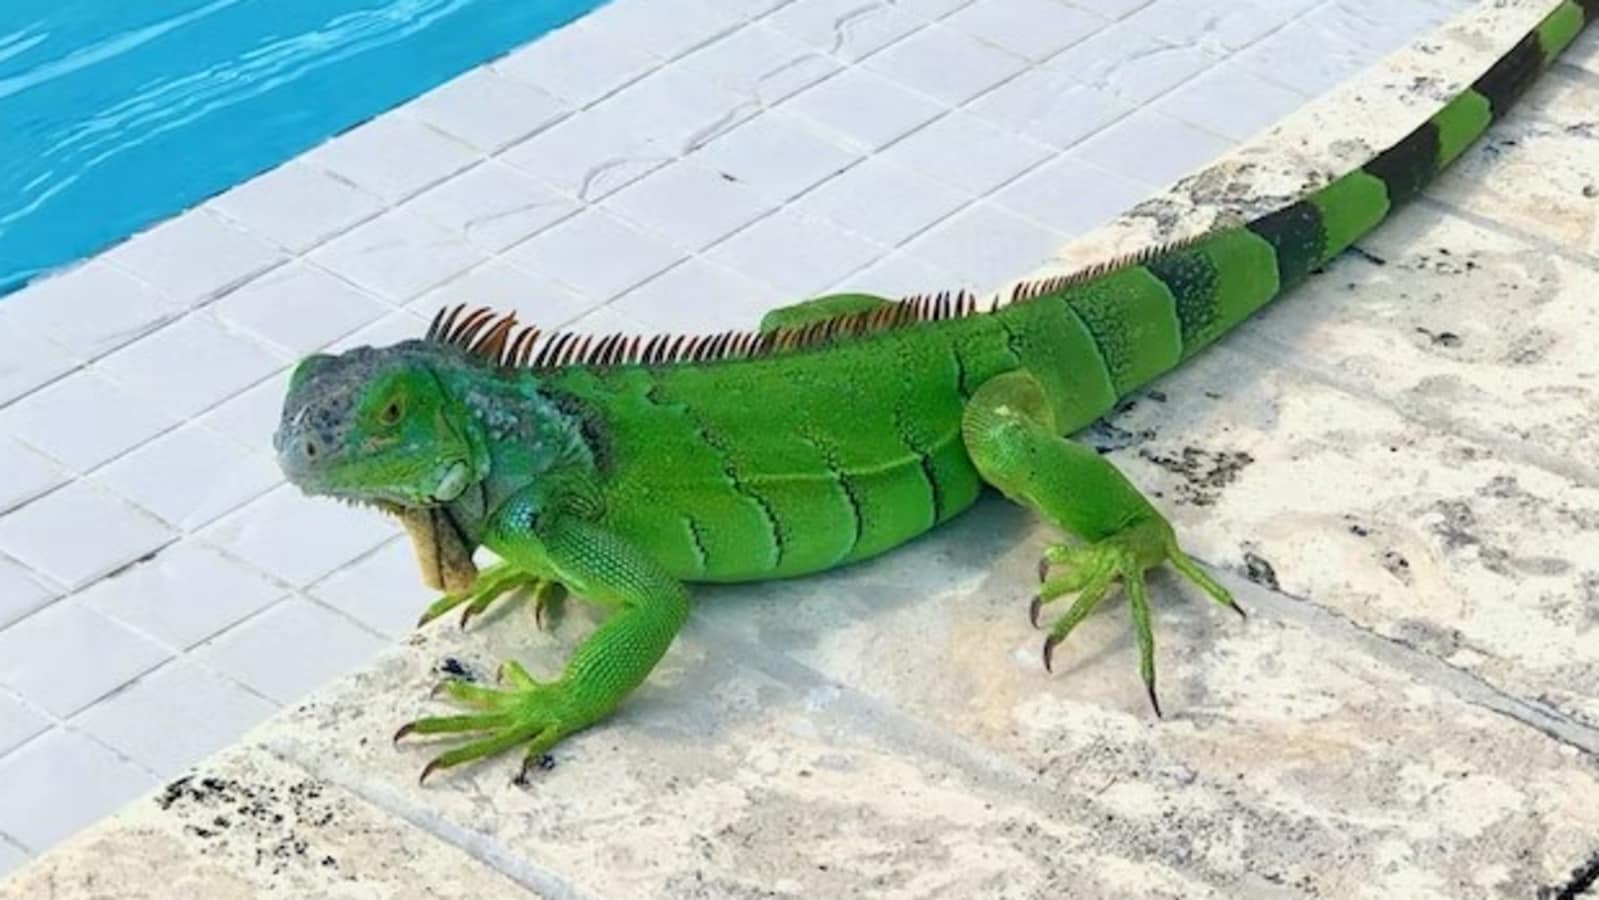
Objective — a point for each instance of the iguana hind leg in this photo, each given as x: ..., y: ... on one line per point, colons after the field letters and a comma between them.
x: 1009, y: 431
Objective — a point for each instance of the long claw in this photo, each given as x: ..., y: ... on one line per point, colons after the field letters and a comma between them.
x: 1043, y: 569
x: 407, y: 728
x: 1138, y: 605
x: 427, y: 770
x: 1034, y: 608
x: 1049, y: 653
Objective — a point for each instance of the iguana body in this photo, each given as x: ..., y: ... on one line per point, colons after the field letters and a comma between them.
x: 623, y: 470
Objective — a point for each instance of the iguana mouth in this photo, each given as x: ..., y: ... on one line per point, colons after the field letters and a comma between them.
x: 453, y: 483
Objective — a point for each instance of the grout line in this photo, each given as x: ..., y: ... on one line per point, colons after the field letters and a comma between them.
x: 16, y: 845
x: 1419, y: 412
x: 1424, y: 667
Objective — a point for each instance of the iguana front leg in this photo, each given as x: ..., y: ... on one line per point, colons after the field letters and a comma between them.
x: 495, y: 582
x: 647, y: 607
x: 1009, y: 431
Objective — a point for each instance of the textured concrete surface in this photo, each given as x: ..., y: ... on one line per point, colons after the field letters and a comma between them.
x: 1395, y: 470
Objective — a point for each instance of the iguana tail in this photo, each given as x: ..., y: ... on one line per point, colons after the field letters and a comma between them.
x: 1218, y: 280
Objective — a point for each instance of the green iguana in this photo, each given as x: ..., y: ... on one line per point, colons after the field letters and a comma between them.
x: 622, y: 468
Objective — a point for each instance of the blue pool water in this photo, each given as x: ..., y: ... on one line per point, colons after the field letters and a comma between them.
x: 115, y: 114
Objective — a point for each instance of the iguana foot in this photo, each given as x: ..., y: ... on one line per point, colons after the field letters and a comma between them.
x: 493, y: 583
x: 529, y: 713
x: 1091, y: 569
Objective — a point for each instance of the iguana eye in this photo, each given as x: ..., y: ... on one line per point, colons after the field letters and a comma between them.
x: 391, y: 413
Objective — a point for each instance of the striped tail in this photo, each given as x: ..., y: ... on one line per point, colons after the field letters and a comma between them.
x: 1217, y: 281
x: 1313, y: 231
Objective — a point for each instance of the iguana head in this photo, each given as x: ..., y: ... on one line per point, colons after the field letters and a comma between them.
x: 377, y: 425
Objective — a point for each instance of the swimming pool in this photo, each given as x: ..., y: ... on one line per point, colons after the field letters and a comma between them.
x: 116, y: 115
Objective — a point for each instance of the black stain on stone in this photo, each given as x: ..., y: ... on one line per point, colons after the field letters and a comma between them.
x: 265, y: 818
x: 456, y: 669
x: 1204, y: 472
x: 1258, y: 570
x: 1583, y: 878
x: 1441, y: 338
x: 1397, y: 565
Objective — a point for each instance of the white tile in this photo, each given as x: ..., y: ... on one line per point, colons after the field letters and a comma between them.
x: 190, y: 475
x: 1221, y: 24
x: 397, y: 326
x: 61, y: 782
x: 191, y: 365
x: 794, y: 253
x: 985, y: 245
x: 946, y: 64
x: 1032, y: 29
x: 1111, y: 9
x: 1230, y: 101
x: 297, y: 206
x: 18, y: 723
x: 605, y: 320
x: 27, y: 474
x: 864, y: 108
x: 595, y: 253
x: 690, y: 205
x: 251, y: 417
x: 967, y: 151
x: 931, y: 10
x: 383, y: 591
x: 848, y: 29
x: 66, y: 656
x: 759, y: 62
x: 1130, y: 64
x: 487, y: 110
x: 1050, y: 107
x: 1305, y: 56
x: 20, y: 592
x: 899, y: 274
x: 493, y: 205
x: 398, y: 255
x: 194, y: 257
x: 589, y: 155
x: 174, y: 717
x: 77, y: 534
x: 30, y: 361
x: 322, y: 645
x: 12, y: 858
x: 299, y: 308
x: 883, y: 201
x: 776, y: 155
x: 675, y: 111
x: 83, y: 420
x: 698, y: 297
x: 185, y: 594
x: 1072, y: 196
x: 536, y: 299
x: 665, y: 30
x: 1152, y: 148
x: 576, y: 64
x: 90, y: 310
x: 299, y: 539
x: 392, y: 157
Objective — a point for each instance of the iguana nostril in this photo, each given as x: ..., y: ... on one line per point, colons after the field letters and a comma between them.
x: 310, y: 449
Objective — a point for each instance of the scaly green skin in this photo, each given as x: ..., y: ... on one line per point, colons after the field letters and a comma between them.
x: 623, y: 482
